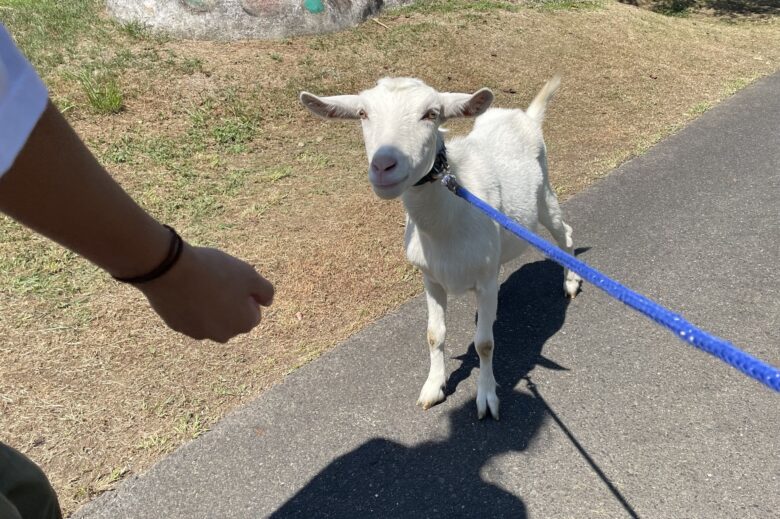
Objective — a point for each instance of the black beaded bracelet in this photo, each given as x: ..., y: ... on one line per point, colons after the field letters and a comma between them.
x: 174, y: 251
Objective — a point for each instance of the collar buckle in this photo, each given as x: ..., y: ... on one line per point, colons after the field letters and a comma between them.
x: 440, y: 168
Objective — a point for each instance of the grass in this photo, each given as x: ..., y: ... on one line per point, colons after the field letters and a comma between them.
x: 278, y: 173
x: 136, y: 30
x: 564, y: 5
x: 45, y: 29
x: 102, y: 92
x: 699, y: 108
x: 232, y: 132
x: 459, y: 6
x: 465, y: 6
x: 210, y: 138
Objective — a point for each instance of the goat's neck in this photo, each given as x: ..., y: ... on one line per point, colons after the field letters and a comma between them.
x: 431, y: 206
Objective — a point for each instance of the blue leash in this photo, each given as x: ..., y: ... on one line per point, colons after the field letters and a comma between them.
x: 722, y: 349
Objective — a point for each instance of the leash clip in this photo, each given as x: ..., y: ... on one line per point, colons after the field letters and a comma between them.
x: 449, y: 181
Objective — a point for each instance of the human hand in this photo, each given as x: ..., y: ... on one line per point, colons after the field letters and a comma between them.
x: 208, y: 294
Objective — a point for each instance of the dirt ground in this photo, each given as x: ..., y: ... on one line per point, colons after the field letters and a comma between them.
x: 212, y: 140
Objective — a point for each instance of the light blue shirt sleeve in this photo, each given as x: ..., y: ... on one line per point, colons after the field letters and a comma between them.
x: 23, y: 98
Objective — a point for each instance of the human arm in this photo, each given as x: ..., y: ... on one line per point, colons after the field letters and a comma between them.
x: 50, y: 181
x: 56, y: 187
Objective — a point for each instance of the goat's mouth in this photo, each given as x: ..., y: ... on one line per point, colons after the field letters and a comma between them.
x: 387, y: 183
x: 389, y: 188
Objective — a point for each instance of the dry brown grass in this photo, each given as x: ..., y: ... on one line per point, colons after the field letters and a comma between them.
x: 94, y: 387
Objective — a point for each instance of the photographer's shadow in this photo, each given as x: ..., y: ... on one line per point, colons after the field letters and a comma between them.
x: 383, y: 478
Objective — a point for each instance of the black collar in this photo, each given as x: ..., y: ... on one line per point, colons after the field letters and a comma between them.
x: 440, y: 167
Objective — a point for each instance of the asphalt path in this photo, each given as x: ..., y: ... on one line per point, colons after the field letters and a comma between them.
x: 603, y: 413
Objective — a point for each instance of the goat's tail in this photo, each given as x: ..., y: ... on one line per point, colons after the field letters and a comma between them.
x: 539, y: 104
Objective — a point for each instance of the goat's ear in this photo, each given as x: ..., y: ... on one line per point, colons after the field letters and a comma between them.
x: 466, y: 105
x: 333, y: 107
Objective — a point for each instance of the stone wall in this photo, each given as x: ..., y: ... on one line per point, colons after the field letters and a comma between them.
x: 241, y: 19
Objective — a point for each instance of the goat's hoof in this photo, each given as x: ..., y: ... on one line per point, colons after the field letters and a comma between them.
x: 485, y: 403
x: 427, y: 404
x: 430, y: 395
x: 572, y: 287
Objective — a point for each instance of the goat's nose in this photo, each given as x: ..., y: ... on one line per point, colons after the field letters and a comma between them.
x: 382, y: 163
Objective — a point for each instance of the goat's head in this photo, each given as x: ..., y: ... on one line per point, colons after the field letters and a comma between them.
x: 400, y: 118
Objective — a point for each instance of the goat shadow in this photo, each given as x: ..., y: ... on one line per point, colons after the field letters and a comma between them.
x: 383, y: 478
x: 728, y: 9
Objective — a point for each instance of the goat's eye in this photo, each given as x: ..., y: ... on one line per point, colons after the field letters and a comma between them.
x: 362, y: 114
x: 431, y: 115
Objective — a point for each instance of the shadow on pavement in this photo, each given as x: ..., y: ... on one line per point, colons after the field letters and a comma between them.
x: 728, y: 9
x: 386, y: 479
x: 383, y: 478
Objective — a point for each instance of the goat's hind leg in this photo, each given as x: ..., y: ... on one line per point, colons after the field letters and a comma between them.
x: 433, y: 391
x: 551, y: 217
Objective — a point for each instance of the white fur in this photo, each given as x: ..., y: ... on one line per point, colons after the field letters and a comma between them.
x: 457, y: 248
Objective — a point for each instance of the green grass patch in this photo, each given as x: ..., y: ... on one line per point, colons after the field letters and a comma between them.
x: 190, y: 425
x: 24, y: 273
x: 314, y: 159
x: 63, y: 103
x: 48, y: 30
x: 136, y: 30
x: 102, y: 91
x: 735, y: 85
x: 190, y: 66
x: 276, y: 174
x: 234, y: 182
x: 154, y: 442
x: 122, y: 151
x: 224, y: 121
x: 167, y: 151
x: 39, y: 267
x: 232, y: 133
x: 217, y: 125
x: 567, y: 5
x: 452, y: 6
x: 699, y: 108
x: 485, y: 6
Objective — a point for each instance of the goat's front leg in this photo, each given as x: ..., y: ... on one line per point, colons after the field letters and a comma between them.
x: 487, y: 303
x: 433, y: 391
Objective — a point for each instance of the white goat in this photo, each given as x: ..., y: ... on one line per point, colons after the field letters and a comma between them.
x: 457, y: 248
